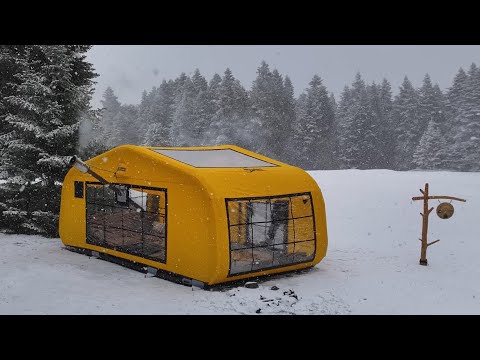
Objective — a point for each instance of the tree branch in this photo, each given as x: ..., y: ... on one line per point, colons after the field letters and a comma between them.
x: 446, y: 197
x: 433, y: 242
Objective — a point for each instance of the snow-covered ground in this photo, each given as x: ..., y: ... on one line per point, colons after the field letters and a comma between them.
x: 371, y: 265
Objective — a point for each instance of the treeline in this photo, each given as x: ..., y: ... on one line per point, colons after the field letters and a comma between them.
x: 367, y: 128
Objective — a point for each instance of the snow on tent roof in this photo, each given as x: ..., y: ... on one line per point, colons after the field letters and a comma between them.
x: 218, y: 158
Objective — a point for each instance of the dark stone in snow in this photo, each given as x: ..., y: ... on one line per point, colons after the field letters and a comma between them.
x: 258, y: 311
x: 274, y: 287
x: 251, y: 285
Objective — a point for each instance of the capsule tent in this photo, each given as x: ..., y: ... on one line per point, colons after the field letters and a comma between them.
x: 203, y: 214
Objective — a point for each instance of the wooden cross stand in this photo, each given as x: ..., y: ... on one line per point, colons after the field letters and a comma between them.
x: 425, y: 214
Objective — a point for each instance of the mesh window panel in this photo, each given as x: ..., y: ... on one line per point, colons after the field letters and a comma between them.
x: 138, y: 227
x: 270, y: 232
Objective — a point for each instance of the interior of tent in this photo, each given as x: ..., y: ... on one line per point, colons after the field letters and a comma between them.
x: 270, y: 232
x: 134, y: 224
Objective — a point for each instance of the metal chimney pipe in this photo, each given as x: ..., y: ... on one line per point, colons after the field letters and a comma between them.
x: 120, y: 190
x: 78, y: 164
x: 83, y: 167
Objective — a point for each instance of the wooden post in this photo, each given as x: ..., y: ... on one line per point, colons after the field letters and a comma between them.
x: 426, y: 213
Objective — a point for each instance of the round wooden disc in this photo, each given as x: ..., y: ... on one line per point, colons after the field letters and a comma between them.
x: 445, y: 210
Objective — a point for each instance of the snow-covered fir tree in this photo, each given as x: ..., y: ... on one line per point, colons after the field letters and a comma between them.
x: 232, y: 122
x: 289, y: 120
x: 432, y: 146
x: 456, y: 93
x: 343, y: 121
x: 203, y: 110
x: 157, y: 109
x: 118, y: 122
x: 213, y: 107
x: 273, y: 107
x: 405, y: 124
x: 333, y: 102
x: 193, y: 114
x: 386, y: 131
x: 299, y: 130
x: 315, y: 132
x: 428, y: 153
x: 183, y: 126
x: 357, y: 137
x: 90, y: 136
x: 111, y: 118
x: 376, y: 123
x: 128, y: 132
x: 364, y: 125
x: 214, y: 91
x: 430, y: 105
x: 47, y: 91
x: 265, y: 107
x: 464, y: 153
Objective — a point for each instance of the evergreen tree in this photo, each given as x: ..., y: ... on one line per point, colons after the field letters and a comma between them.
x: 183, y: 118
x: 454, y: 101
x: 144, y: 114
x: 212, y: 108
x: 464, y: 153
x: 177, y: 85
x: 193, y: 112
x: 376, y: 124
x: 301, y: 158
x: 203, y: 110
x: 357, y: 136
x: 430, y: 106
x: 386, y: 131
x: 289, y: 120
x: 231, y: 122
x: 47, y: 92
x: 214, y: 91
x: 456, y: 93
x: 405, y: 124
x: 363, y: 130
x: 111, y: 118
x: 315, y: 135
x: 158, y: 114
x: 333, y: 102
x: 199, y: 82
x: 129, y: 132
x: 269, y: 97
x: 343, y: 123
x: 429, y: 154
x: 90, y: 140
x: 431, y: 111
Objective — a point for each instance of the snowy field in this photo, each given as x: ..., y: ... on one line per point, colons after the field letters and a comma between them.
x: 371, y: 265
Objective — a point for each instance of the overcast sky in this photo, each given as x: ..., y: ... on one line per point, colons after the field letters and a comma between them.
x: 130, y: 69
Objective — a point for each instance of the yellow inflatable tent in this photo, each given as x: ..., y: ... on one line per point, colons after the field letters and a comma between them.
x: 203, y: 215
